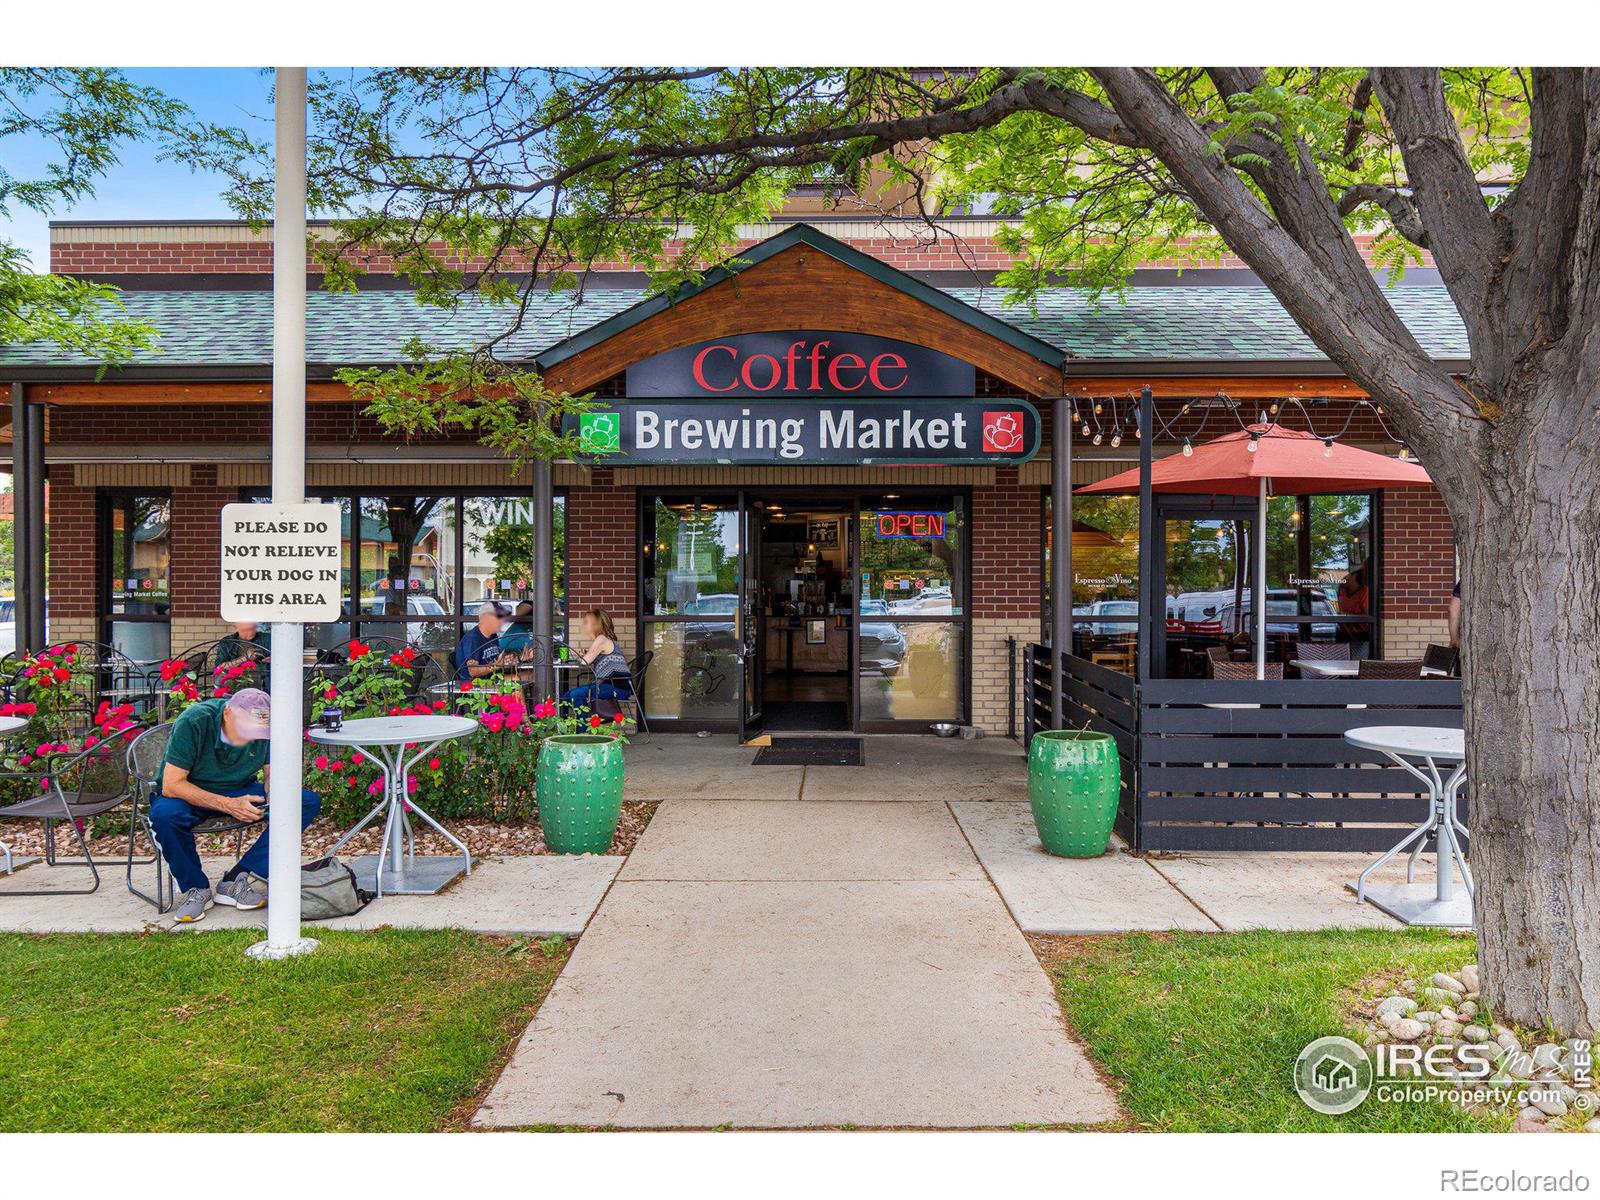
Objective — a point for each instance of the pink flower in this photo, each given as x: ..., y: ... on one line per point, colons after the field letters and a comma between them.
x: 411, y: 784
x: 321, y: 762
x: 330, y: 692
x: 374, y: 788
x: 494, y: 722
x: 434, y: 764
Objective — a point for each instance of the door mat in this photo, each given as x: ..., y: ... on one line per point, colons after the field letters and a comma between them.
x: 811, y: 752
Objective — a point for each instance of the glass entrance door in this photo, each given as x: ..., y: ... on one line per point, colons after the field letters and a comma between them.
x: 689, y: 593
x: 752, y: 650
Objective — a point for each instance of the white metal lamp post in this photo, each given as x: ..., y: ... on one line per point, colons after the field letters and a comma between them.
x: 288, y: 487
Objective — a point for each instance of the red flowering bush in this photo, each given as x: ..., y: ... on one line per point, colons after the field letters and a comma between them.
x: 489, y: 775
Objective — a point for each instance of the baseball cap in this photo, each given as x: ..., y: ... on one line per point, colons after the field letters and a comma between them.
x: 252, y: 714
x: 494, y: 606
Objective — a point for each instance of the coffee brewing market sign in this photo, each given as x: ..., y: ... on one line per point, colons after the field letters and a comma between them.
x: 793, y: 366
x: 281, y: 563
x: 801, y: 433
x: 807, y: 398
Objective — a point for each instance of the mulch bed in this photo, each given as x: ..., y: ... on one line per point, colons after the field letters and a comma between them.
x: 484, y: 838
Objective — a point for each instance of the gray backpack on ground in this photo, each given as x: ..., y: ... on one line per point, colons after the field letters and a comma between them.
x: 328, y: 889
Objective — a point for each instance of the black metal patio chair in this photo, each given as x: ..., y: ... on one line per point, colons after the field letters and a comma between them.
x: 146, y: 759
x: 74, y: 788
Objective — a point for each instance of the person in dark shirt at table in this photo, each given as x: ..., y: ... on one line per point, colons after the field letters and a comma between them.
x: 246, y: 641
x: 478, y: 653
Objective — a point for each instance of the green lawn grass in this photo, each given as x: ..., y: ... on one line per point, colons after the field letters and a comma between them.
x: 385, y: 1031
x: 1200, y: 1031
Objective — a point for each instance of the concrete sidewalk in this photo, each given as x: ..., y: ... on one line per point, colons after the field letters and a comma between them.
x: 779, y: 965
x: 534, y: 895
x: 676, y: 767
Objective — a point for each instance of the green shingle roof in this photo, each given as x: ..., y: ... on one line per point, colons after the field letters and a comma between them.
x: 221, y: 329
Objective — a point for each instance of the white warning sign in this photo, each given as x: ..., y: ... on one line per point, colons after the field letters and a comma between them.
x: 281, y: 563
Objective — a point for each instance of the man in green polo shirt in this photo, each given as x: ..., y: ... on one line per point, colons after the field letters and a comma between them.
x: 216, y: 762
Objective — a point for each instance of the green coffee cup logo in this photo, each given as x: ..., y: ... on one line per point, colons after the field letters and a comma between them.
x: 600, y: 433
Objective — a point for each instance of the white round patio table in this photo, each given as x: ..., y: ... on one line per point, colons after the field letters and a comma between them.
x: 397, y: 744
x: 8, y: 726
x: 1426, y: 753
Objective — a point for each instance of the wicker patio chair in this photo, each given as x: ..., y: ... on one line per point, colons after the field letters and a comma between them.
x: 146, y: 760
x: 1224, y: 669
x: 1322, y: 651
x: 1444, y: 659
x: 75, y: 789
x: 1389, y: 668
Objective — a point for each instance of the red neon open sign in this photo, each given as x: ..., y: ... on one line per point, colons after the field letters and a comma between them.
x: 910, y: 525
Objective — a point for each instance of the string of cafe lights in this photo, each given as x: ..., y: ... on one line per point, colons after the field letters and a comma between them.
x: 1101, y: 420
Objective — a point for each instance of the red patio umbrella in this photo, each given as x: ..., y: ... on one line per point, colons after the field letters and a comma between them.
x: 1261, y: 461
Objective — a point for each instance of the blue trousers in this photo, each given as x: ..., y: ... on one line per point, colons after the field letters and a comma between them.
x: 585, y: 696
x: 174, y: 821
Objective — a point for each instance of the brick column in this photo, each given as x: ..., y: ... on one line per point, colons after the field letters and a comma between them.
x: 1006, y: 591
x: 603, y: 554
x: 196, y: 534
x: 1418, y: 571
x: 74, y: 558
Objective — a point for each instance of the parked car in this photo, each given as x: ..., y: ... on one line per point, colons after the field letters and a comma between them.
x: 1108, y: 608
x: 1278, y: 605
x: 418, y: 634
x: 883, y: 646
x: 8, y: 622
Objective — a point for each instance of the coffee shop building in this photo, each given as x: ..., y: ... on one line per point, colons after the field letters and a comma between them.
x: 817, y: 486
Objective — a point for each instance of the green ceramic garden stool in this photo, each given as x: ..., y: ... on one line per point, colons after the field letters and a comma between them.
x: 580, y: 792
x: 1073, y: 780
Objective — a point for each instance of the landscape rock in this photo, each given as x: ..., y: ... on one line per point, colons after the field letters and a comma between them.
x: 1449, y: 983
x: 1467, y: 1009
x: 1407, y: 1029
x: 1475, y: 1033
x: 1547, y: 1056
x: 1447, y: 1029
x: 1548, y: 1100
x: 1592, y: 1126
x: 1469, y: 977
x: 1401, y: 1006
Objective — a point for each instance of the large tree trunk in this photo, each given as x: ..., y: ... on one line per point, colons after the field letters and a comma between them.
x: 1527, y: 514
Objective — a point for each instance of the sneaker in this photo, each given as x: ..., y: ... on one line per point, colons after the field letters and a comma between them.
x: 242, y: 892
x: 192, y: 905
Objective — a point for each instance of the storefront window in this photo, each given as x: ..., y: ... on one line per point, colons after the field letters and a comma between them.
x: 135, y: 606
x: 1105, y: 569
x: 691, y: 557
x: 912, y: 584
x: 418, y: 564
x: 909, y: 559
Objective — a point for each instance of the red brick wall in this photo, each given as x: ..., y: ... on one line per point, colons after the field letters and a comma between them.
x: 1418, y: 554
x: 196, y: 537
x: 74, y: 557
x: 1007, y: 552
x: 190, y: 258
x: 602, y: 547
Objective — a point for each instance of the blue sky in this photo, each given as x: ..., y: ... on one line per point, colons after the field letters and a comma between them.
x: 139, y: 186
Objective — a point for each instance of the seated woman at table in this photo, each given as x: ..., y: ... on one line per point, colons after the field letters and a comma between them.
x: 611, y: 679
